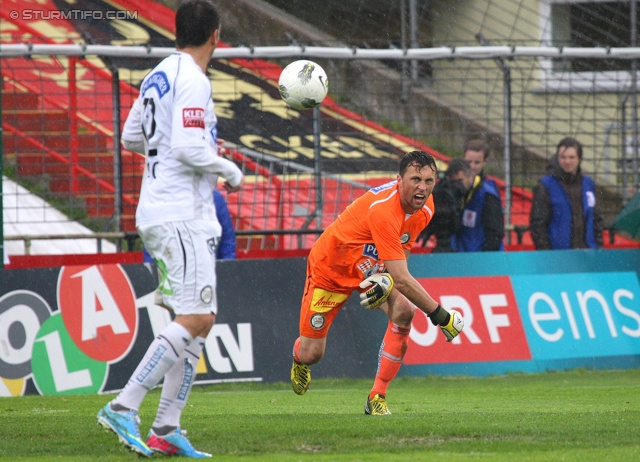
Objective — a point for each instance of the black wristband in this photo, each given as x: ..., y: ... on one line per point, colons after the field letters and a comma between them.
x: 438, y: 316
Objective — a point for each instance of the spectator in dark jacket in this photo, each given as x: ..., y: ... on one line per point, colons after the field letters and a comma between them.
x: 227, y: 245
x: 482, y: 219
x: 448, y: 197
x: 564, y: 214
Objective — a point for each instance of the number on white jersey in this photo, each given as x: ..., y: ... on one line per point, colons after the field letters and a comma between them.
x: 148, y: 130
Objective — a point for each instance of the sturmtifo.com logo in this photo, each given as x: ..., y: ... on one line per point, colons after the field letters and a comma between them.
x: 82, y: 15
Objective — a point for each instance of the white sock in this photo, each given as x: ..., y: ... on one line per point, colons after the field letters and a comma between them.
x: 159, y: 358
x: 176, y: 388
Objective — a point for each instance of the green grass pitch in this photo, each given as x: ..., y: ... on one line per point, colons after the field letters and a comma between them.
x: 580, y: 415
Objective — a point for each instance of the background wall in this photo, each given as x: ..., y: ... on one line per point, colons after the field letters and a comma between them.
x: 83, y: 329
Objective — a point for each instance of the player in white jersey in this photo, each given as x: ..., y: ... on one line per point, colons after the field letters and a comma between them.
x: 174, y: 125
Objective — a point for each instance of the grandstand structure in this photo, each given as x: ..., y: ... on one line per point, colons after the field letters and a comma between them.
x: 490, y: 69
x: 589, y: 95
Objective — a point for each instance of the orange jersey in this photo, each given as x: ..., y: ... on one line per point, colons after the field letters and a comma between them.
x: 372, y: 229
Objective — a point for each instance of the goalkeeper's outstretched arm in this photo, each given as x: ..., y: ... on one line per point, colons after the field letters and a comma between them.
x: 408, y: 286
x: 450, y: 323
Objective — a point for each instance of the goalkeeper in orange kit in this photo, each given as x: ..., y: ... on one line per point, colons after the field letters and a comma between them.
x: 366, y: 249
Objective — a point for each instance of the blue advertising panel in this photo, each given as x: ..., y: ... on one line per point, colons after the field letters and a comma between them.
x: 573, y: 308
x: 580, y: 314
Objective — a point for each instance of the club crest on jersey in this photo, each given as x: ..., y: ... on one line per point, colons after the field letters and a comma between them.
x: 317, y: 321
x: 405, y: 238
x: 206, y: 294
x: 159, y: 81
x: 369, y: 250
x: 193, y: 117
x: 368, y: 269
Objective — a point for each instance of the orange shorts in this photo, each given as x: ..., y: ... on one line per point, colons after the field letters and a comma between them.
x: 318, y: 310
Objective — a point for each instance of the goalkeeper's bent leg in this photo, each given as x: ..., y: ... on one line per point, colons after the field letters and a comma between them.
x: 392, y: 351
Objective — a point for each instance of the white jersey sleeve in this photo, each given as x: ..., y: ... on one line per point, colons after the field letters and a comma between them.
x: 189, y: 141
x: 204, y: 160
x: 132, y: 136
x: 189, y: 122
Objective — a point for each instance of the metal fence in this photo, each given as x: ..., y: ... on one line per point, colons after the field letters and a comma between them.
x: 63, y: 106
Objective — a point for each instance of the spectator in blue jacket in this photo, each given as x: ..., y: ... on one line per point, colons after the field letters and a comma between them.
x: 227, y: 246
x: 563, y: 212
x: 482, y: 218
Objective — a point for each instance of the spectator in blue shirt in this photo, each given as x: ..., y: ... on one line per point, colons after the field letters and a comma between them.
x: 227, y: 245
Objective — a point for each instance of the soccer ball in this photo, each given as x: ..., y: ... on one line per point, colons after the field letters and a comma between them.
x: 303, y: 84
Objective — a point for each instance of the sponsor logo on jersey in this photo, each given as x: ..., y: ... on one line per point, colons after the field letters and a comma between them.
x: 324, y: 301
x: 159, y: 81
x: 193, y: 117
x: 317, y: 321
x: 384, y: 187
x: 404, y: 238
x: 369, y: 250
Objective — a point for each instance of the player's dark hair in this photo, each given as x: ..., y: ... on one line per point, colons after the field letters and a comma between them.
x: 477, y: 145
x: 195, y: 22
x: 570, y: 142
x: 418, y: 159
x: 459, y: 164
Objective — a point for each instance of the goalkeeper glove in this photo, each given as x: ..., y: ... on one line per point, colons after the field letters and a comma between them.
x: 451, y: 323
x: 378, y: 287
x: 453, y: 327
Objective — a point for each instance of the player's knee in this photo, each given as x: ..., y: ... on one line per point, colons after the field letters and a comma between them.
x: 403, y: 314
x: 207, y: 323
x: 200, y: 325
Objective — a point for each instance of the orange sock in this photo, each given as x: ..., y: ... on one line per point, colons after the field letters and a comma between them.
x: 296, y: 350
x: 392, y: 350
